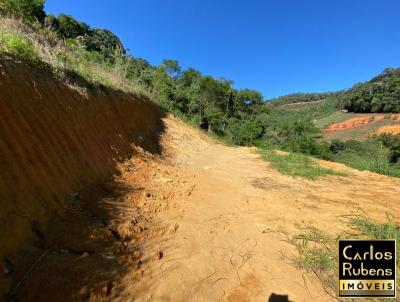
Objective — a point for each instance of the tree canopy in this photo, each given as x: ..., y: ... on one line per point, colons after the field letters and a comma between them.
x: 27, y: 10
x: 98, y: 40
x: 381, y: 94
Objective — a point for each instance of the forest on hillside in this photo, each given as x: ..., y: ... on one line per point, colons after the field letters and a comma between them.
x: 238, y: 116
x: 294, y: 98
x: 381, y: 94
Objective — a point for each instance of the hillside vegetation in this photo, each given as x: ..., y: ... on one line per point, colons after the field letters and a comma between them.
x: 381, y: 94
x: 375, y: 154
x: 99, y: 56
x: 294, y: 98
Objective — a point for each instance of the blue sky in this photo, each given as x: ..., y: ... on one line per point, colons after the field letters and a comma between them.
x: 277, y: 47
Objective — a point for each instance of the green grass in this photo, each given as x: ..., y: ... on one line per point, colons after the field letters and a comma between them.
x: 17, y: 45
x: 370, y: 229
x: 296, y: 164
x: 311, y: 110
x: 377, y: 163
x: 66, y: 57
x: 334, y: 117
x: 317, y: 257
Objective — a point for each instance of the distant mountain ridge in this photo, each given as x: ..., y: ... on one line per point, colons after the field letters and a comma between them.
x: 381, y: 94
x: 301, y: 98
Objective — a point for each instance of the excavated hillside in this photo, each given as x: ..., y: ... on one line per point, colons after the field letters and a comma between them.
x: 56, y: 140
x: 106, y: 198
x: 58, y: 137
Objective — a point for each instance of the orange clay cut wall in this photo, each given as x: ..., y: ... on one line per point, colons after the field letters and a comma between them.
x: 360, y: 121
x: 55, y: 140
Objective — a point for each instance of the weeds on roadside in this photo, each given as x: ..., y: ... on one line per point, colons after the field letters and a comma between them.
x: 368, y: 228
x: 296, y: 164
x: 377, y: 163
x: 317, y: 252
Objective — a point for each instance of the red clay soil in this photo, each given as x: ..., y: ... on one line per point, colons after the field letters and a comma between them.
x: 353, y: 123
x: 360, y: 121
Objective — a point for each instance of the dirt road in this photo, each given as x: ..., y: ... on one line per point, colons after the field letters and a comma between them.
x: 200, y: 222
x: 232, y: 232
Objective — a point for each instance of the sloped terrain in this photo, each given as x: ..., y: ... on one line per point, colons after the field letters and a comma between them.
x: 360, y: 126
x: 58, y: 137
x: 105, y: 198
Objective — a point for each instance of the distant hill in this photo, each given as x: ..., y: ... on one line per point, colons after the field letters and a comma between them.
x: 301, y: 98
x: 379, y: 95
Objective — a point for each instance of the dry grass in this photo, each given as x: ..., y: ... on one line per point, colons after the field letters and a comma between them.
x: 390, y: 129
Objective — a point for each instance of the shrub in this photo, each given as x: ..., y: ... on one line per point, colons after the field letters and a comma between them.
x: 337, y: 146
x: 27, y: 10
x: 371, y: 155
x: 392, y: 142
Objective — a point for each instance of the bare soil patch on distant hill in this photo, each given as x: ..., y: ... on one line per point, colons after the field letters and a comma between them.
x: 360, y: 127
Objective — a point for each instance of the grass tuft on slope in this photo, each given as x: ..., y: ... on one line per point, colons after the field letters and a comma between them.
x: 38, y: 44
x: 18, y: 45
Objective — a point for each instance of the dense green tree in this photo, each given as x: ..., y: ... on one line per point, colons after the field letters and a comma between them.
x: 189, y: 77
x: 381, y: 94
x: 71, y: 28
x: 96, y: 40
x: 51, y: 21
x: 246, y: 101
x: 27, y: 10
x: 244, y: 132
x: 163, y: 88
x: 136, y: 67
x: 171, y: 67
x: 104, y: 41
x: 214, y: 117
x: 188, y: 90
x: 337, y: 146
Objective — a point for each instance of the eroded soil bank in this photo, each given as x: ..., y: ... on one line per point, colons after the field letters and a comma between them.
x: 61, y: 141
